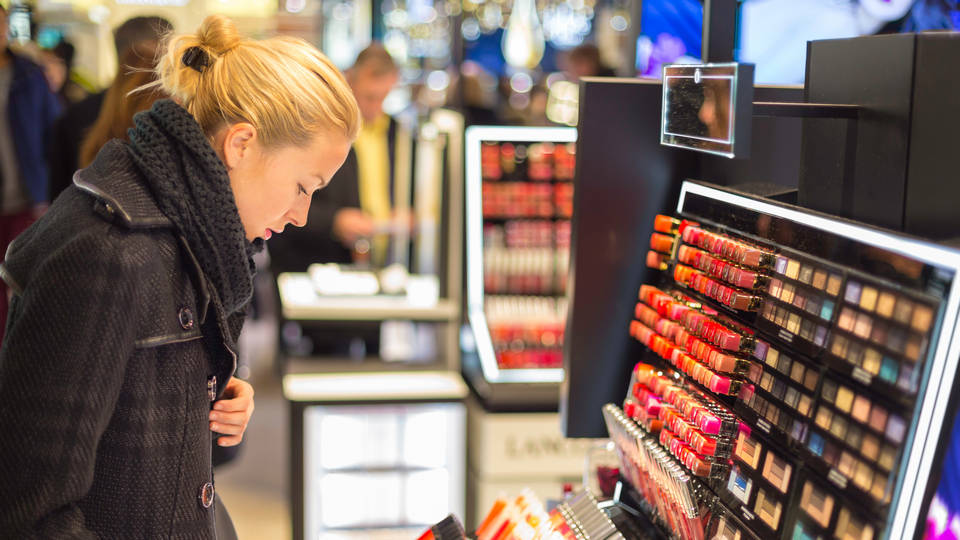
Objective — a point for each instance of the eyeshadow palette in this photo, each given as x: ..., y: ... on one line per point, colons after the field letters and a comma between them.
x: 824, y: 513
x: 761, y: 481
x: 780, y: 402
x: 819, y: 347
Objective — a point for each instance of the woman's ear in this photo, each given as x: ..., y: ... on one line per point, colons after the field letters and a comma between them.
x: 236, y: 143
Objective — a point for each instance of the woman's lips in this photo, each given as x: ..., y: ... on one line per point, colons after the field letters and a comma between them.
x: 267, y: 234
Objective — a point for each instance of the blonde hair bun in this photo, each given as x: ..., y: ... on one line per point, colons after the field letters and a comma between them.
x: 218, y: 35
x: 287, y: 89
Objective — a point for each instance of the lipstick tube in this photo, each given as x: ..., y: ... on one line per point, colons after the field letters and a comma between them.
x: 662, y: 243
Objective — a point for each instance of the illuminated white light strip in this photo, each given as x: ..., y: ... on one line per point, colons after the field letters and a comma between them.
x: 705, y: 151
x: 333, y: 387
x: 916, y: 249
x: 476, y: 136
x: 943, y: 366
x: 728, y: 77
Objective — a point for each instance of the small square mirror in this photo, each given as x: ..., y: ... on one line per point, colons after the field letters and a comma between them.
x: 708, y: 108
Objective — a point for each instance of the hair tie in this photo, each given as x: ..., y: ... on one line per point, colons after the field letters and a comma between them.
x: 195, y: 58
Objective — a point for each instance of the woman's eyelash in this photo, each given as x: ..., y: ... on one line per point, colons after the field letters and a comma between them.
x: 302, y: 191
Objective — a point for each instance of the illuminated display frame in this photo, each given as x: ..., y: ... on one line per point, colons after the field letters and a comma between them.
x: 906, y: 509
x: 476, y: 136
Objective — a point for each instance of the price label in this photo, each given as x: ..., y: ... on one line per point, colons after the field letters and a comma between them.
x: 862, y: 375
x: 837, y: 478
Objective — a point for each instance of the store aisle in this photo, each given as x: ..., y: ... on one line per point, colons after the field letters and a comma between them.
x: 254, y: 486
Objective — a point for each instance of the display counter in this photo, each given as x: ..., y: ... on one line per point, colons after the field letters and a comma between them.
x: 519, y: 200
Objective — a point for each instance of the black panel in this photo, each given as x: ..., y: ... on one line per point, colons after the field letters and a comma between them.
x: 932, y: 188
x: 876, y: 72
x: 719, y: 30
x: 774, y: 148
x: 624, y: 177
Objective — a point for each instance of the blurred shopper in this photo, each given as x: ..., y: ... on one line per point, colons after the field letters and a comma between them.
x: 27, y: 111
x: 361, y: 196
x: 131, y: 290
x: 58, y: 67
x: 141, y: 33
x: 584, y: 61
x: 121, y: 102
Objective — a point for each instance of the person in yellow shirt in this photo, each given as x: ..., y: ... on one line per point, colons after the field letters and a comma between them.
x: 360, y: 197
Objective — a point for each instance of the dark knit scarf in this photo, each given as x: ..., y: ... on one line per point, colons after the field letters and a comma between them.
x: 191, y: 187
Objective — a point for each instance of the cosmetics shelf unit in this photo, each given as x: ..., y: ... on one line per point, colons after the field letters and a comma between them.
x: 519, y: 202
x: 793, y: 375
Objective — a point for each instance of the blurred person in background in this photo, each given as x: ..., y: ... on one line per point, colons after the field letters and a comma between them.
x: 344, y: 218
x: 137, y: 33
x: 120, y: 102
x: 362, y: 195
x: 27, y: 111
x: 584, y: 61
x: 58, y: 67
x: 130, y: 292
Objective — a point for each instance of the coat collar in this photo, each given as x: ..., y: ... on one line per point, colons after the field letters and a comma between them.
x: 113, y: 179
x: 122, y: 196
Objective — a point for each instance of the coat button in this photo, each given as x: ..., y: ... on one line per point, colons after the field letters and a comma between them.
x: 206, y: 495
x: 212, y: 387
x: 186, y: 318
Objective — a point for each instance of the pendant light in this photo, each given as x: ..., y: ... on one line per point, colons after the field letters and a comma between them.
x: 523, y: 42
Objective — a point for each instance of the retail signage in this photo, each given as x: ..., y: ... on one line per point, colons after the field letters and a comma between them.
x: 708, y: 108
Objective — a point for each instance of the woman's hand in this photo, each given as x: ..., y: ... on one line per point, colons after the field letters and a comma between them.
x: 232, y: 411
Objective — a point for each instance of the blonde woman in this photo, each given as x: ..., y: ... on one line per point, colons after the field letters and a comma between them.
x: 129, y: 294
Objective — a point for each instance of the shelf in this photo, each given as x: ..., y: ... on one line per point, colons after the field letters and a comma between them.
x: 300, y: 365
x: 300, y: 301
x: 374, y: 387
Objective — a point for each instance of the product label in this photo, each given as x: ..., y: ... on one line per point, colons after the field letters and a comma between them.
x: 837, y: 478
x: 763, y: 424
x: 747, y: 514
x: 862, y: 375
x: 786, y: 336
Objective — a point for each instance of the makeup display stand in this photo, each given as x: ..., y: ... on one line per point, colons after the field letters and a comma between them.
x: 518, y: 209
x: 794, y: 373
x: 766, y: 370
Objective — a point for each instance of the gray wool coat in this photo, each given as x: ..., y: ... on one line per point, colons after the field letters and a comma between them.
x: 112, y: 356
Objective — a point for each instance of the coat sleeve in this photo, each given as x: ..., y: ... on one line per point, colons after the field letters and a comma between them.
x: 70, y: 333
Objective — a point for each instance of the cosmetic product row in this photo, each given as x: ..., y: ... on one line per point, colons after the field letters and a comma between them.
x: 858, y: 437
x: 882, y: 335
x: 676, y: 356
x: 520, y: 200
x: 701, y: 346
x: 534, y: 271
x: 782, y: 392
x: 676, y: 497
x: 537, y: 161
x: 527, y: 233
x: 693, y: 428
x: 736, y: 251
x: 731, y: 297
x: 527, y: 332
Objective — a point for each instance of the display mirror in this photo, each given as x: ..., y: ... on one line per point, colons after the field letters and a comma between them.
x: 708, y: 108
